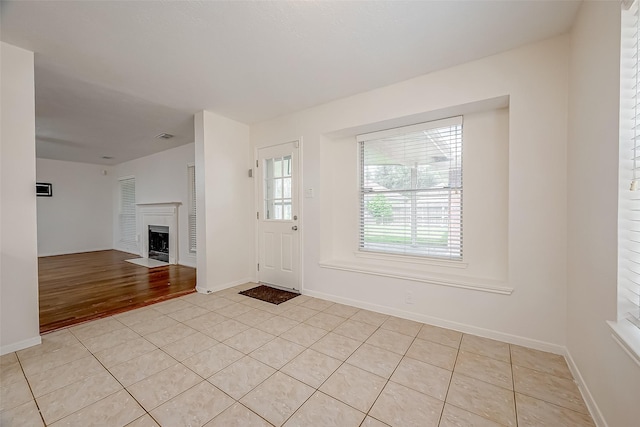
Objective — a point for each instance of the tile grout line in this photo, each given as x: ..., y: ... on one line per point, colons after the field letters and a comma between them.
x: 97, y: 360
x: 316, y: 389
x: 248, y: 355
x: 112, y: 376
x: 30, y: 389
x: 483, y: 381
x: 451, y: 378
x: 244, y: 355
x: 513, y: 383
x: 388, y: 379
x: 177, y: 362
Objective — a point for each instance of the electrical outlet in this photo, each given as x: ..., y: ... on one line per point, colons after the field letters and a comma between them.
x: 408, y: 297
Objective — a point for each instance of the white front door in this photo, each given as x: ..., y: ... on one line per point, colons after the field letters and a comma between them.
x: 278, y: 235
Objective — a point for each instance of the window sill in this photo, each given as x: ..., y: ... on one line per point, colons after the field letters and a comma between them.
x: 627, y: 336
x: 475, y: 284
x: 409, y: 259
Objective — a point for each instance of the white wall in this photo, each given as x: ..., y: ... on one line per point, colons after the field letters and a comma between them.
x: 225, y: 195
x: 612, y: 378
x: 78, y: 218
x: 160, y: 178
x: 535, y: 79
x: 19, y: 319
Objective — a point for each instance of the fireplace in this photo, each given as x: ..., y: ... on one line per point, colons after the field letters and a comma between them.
x: 159, y: 242
x: 159, y: 226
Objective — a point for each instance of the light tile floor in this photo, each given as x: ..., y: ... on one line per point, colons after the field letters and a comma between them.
x: 229, y: 360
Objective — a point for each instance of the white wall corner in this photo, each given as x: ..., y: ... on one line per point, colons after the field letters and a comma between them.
x: 21, y: 345
x: 19, y: 315
x: 206, y: 290
x: 224, y: 201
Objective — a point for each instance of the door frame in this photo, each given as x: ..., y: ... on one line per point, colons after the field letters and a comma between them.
x: 257, y: 204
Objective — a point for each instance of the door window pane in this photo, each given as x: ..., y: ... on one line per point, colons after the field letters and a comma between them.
x: 277, y: 188
x: 277, y: 168
x: 287, y: 188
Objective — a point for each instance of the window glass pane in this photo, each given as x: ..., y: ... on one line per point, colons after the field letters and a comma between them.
x: 269, y: 188
x: 268, y: 168
x: 268, y: 209
x: 387, y: 176
x: 411, y: 192
x: 287, y: 187
x: 286, y: 166
x: 277, y: 188
x: 277, y: 168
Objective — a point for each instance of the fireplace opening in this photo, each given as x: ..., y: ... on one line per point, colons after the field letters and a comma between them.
x: 159, y: 242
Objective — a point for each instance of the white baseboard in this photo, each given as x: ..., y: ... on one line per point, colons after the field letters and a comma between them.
x: 74, y: 252
x: 223, y: 286
x: 593, y: 408
x: 126, y: 251
x: 469, y: 329
x: 10, y: 348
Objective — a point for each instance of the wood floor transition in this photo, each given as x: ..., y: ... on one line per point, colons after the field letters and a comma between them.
x: 79, y: 287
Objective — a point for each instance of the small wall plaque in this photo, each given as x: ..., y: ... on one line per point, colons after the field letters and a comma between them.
x: 44, y: 189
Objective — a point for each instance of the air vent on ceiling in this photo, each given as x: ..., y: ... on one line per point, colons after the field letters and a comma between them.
x: 107, y: 157
x: 164, y: 136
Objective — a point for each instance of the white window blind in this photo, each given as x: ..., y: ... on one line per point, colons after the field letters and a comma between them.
x: 629, y: 195
x: 128, y: 215
x: 191, y: 172
x: 411, y: 190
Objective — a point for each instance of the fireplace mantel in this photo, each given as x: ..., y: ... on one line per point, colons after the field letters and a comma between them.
x: 164, y: 214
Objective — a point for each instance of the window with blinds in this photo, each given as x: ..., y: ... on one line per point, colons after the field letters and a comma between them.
x: 127, y: 217
x: 411, y: 190
x: 629, y: 195
x: 191, y: 173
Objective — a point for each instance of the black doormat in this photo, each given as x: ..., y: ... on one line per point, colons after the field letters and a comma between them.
x: 269, y: 294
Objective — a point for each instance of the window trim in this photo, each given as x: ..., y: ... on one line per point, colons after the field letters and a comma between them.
x: 410, y: 257
x: 627, y: 336
x: 626, y: 332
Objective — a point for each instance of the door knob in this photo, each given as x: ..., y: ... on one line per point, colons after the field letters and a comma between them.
x: 294, y: 228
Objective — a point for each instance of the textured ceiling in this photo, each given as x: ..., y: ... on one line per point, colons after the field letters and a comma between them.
x: 111, y: 75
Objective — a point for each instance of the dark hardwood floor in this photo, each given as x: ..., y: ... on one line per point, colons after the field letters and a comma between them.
x: 79, y: 287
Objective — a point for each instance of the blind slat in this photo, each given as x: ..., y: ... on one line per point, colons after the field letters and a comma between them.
x: 411, y: 190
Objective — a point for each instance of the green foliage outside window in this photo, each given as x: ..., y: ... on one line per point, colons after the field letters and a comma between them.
x: 380, y: 208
